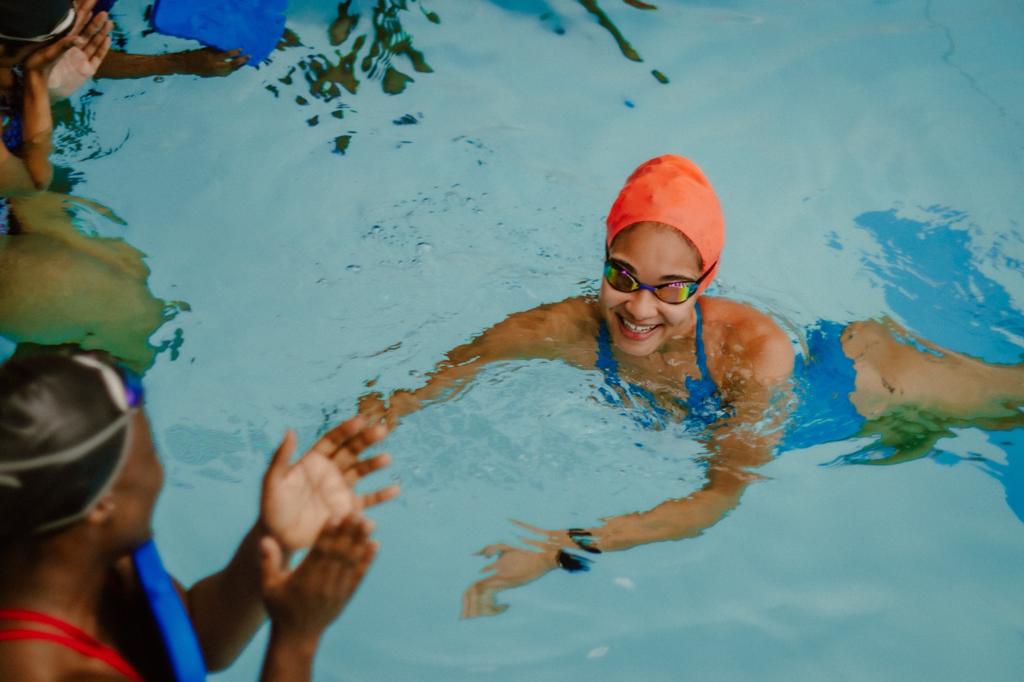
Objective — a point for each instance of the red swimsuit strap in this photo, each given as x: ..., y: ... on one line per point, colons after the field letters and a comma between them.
x: 73, y: 638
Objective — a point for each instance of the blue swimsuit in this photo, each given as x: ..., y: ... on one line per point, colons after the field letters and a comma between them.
x: 822, y: 382
x: 703, y: 403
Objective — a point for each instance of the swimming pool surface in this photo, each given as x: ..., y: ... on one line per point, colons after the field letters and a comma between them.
x: 868, y: 156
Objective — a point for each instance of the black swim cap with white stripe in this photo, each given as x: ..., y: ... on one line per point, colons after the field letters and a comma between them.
x: 51, y: 406
x: 28, y: 19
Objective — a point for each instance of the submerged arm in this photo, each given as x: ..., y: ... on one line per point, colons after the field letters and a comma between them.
x: 31, y: 170
x: 548, y: 331
x: 740, y: 442
x: 202, y: 62
x: 675, y: 519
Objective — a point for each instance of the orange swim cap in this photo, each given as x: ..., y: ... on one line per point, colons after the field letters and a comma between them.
x: 672, y: 190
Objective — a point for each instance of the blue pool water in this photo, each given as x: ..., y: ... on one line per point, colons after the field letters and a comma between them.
x: 869, y: 160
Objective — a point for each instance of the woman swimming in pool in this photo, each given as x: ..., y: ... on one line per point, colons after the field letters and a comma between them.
x: 717, y: 365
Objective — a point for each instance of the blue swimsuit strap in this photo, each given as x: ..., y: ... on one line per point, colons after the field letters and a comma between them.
x: 703, y: 400
x: 702, y: 356
x: 170, y: 615
x: 703, y: 403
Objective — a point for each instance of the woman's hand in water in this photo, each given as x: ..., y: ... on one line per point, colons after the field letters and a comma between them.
x: 516, y: 566
x: 210, y: 62
x: 318, y: 490
x: 400, y: 403
x: 80, y: 62
x: 303, y: 601
x: 513, y: 567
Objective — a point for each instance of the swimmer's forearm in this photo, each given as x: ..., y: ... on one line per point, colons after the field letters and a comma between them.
x: 548, y: 332
x: 37, y: 130
x: 288, y: 659
x: 124, y: 65
x: 226, y: 608
x: 678, y: 519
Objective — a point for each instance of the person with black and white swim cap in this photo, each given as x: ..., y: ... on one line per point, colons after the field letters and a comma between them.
x: 83, y: 592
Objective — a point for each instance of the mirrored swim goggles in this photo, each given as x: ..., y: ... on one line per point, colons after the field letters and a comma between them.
x: 63, y: 26
x: 621, y: 279
x: 125, y: 390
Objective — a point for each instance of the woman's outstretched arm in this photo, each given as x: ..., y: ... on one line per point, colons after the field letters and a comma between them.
x: 565, y: 330
x: 741, y: 442
x: 205, y: 62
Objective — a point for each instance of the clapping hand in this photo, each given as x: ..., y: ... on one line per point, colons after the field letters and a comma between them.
x: 82, y: 59
x: 303, y: 601
x: 85, y: 29
x: 317, y: 491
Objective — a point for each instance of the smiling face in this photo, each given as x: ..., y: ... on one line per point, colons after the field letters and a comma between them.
x: 654, y: 254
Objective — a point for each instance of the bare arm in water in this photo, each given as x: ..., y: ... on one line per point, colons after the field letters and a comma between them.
x: 205, y: 62
x: 736, y: 445
x: 566, y: 330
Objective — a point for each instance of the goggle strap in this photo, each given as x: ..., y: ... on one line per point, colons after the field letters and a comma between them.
x: 111, y: 380
x: 72, y: 454
x: 103, y: 490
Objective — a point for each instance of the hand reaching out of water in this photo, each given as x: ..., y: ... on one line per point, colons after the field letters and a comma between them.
x: 80, y: 62
x: 301, y: 498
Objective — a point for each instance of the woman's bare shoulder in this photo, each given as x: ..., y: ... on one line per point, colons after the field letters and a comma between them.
x: 750, y: 337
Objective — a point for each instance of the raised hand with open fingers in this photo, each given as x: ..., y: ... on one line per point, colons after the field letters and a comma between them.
x: 300, y: 498
x: 345, y: 443
x: 47, y: 56
x: 81, y: 61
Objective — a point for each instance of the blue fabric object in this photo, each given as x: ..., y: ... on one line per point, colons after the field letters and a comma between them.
x: 823, y: 382
x: 703, y: 402
x: 169, y: 613
x: 254, y: 26
x: 103, y: 6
